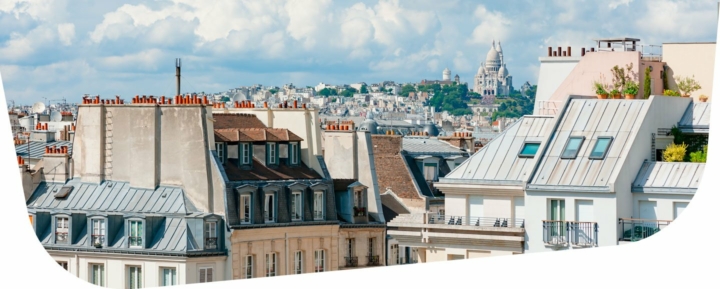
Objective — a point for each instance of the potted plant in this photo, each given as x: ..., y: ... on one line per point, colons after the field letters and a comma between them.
x: 687, y: 85
x: 615, y: 93
x: 670, y: 92
x: 631, y: 89
x: 703, y: 98
x: 600, y: 90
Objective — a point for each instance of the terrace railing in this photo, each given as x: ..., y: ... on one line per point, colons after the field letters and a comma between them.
x: 475, y: 221
x: 633, y: 230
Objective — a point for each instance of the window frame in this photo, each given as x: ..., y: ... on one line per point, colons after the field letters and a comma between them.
x: 371, y: 246
x: 66, y: 228
x: 270, y: 205
x: 320, y: 261
x: 101, y: 274
x: 605, y: 151
x: 221, y: 150
x: 350, y: 247
x: 63, y: 264
x: 245, y: 153
x: 272, y: 149
x: 210, y: 226
x: 298, y: 264
x: 249, y: 212
x: 249, y: 266
x: 103, y: 229
x: 271, y: 260
x: 140, y: 234
x: 321, y: 208
x: 434, y: 167
x: 293, y: 153
x: 296, y: 205
x: 567, y: 143
x: 138, y: 276
x: 173, y: 277
x: 207, y: 269
x: 525, y: 144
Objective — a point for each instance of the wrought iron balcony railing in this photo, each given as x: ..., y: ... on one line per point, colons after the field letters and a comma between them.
x: 561, y: 233
x: 555, y: 232
x: 373, y: 260
x: 359, y: 211
x: 351, y: 261
x: 210, y: 243
x: 98, y: 240
x: 476, y: 221
x: 61, y: 238
x: 633, y: 230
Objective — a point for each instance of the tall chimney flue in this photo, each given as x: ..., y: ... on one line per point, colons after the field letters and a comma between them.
x: 177, y: 74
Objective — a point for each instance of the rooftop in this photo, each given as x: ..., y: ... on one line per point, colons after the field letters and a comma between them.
x: 423, y: 145
x: 668, y: 177
x: 37, y: 149
x: 696, y: 118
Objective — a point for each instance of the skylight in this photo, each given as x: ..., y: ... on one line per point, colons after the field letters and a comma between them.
x: 572, y: 148
x: 601, y: 148
x: 529, y: 149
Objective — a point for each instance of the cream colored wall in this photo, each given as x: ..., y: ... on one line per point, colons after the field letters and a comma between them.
x: 362, y: 237
x: 281, y: 240
x: 688, y: 59
x: 456, y: 205
x: 435, y: 255
x: 116, y: 268
x: 665, y: 204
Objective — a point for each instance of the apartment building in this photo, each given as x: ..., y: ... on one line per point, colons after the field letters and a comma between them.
x: 137, y: 202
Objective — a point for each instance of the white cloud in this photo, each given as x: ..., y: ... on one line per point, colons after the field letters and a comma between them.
x: 66, y: 32
x: 493, y: 25
x: 684, y: 19
x: 147, y: 60
x: 616, y: 3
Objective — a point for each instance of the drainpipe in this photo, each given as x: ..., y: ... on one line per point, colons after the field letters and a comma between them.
x: 77, y: 267
x: 287, y: 257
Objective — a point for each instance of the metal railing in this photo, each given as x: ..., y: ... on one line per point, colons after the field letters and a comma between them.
x: 373, y: 260
x: 359, y: 211
x: 583, y: 233
x: 98, y: 240
x: 555, y: 232
x: 61, y: 238
x: 210, y: 243
x: 633, y: 230
x: 351, y: 261
x: 475, y: 221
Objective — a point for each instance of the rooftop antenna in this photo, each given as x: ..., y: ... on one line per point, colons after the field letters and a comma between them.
x: 177, y: 74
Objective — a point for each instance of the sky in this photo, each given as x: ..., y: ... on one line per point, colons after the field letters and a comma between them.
x: 55, y: 50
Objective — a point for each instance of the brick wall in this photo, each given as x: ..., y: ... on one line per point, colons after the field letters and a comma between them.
x: 390, y: 167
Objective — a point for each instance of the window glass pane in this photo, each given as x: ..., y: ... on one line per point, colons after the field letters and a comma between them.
x: 600, y: 147
x: 530, y: 149
x: 572, y: 148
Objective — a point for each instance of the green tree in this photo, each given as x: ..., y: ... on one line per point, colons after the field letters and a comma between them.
x: 406, y: 90
x: 363, y: 89
x: 349, y: 92
x: 646, y: 85
x: 325, y: 92
x: 273, y: 91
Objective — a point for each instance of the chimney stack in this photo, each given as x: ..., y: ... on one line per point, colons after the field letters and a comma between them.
x: 569, y: 50
x: 582, y: 51
x: 549, y: 51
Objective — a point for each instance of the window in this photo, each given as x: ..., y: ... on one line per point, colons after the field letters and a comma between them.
x: 430, y: 171
x: 245, y: 209
x: 557, y: 214
x: 394, y: 253
x: 245, y: 153
x: 62, y: 264
x: 136, y: 234
x: 296, y: 206
x: 320, y: 261
x: 318, y: 205
x: 220, y: 148
x: 270, y: 260
x: 248, y: 267
x: 169, y: 277
x: 272, y: 153
x: 529, y: 150
x: 601, y: 148
x: 351, y: 247
x: 358, y: 200
x: 61, y: 230
x: 210, y: 235
x: 572, y: 147
x: 298, y: 262
x: 371, y: 247
x: 206, y: 275
x: 134, y: 277
x: 98, y: 234
x: 293, y: 152
x: 97, y: 274
x: 269, y: 207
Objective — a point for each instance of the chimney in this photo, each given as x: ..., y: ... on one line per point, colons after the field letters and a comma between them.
x: 559, y: 51
x: 569, y: 50
x: 549, y: 51
x: 582, y: 51
x: 56, y: 164
x: 564, y: 53
x: 554, y: 53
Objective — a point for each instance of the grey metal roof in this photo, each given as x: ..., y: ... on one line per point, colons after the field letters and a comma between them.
x: 696, y: 117
x: 668, y: 177
x: 118, y: 198
x: 37, y: 149
x: 498, y: 160
x: 591, y: 118
x: 429, y: 146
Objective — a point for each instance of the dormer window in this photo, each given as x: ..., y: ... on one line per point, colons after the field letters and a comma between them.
x: 210, y: 235
x: 220, y: 148
x: 98, y: 232
x: 572, y: 148
x: 272, y: 153
x: 296, y: 206
x: 245, y: 153
x: 135, y: 234
x: 245, y: 208
x: 61, y: 230
x: 318, y: 203
x: 270, y: 207
x: 293, y: 153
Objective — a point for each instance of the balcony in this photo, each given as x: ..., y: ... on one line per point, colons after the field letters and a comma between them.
x: 562, y: 233
x: 360, y: 215
x: 61, y: 238
x: 476, y: 221
x: 98, y: 240
x: 373, y: 260
x: 210, y: 243
x: 351, y: 261
x: 633, y: 230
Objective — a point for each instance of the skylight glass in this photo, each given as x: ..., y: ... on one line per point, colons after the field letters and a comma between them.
x: 572, y: 147
x: 600, y: 148
x: 529, y: 149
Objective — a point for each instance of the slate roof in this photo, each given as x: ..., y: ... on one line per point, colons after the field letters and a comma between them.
x: 236, y: 120
x: 498, y: 160
x: 255, y: 135
x: 668, y: 177
x: 696, y: 118
x: 259, y: 172
x: 37, y: 149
